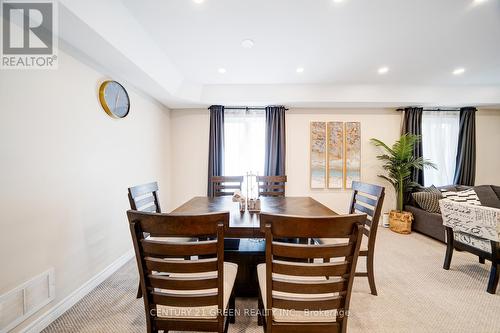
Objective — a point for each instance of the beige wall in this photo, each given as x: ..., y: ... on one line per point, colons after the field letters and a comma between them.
x: 65, y: 169
x: 190, y: 130
x: 487, y: 147
x: 189, y: 162
x: 375, y: 123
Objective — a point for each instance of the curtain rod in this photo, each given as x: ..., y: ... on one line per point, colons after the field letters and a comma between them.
x: 246, y: 108
x: 434, y: 109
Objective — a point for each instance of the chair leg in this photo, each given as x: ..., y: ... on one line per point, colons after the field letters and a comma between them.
x: 139, y: 292
x: 371, y: 273
x: 449, y: 248
x: 268, y: 323
x: 261, y: 311
x: 150, y: 327
x: 481, y: 260
x: 266, y: 318
x: 232, y: 309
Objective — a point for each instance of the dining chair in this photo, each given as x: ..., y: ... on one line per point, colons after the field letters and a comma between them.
x: 271, y: 186
x: 145, y: 198
x: 226, y: 185
x: 301, y: 296
x: 183, y: 295
x: 368, y: 199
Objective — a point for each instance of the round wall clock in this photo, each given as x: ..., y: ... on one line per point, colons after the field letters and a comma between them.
x: 114, y: 99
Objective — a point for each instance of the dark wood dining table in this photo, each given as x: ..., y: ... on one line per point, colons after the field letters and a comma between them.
x: 241, y: 237
x: 246, y: 224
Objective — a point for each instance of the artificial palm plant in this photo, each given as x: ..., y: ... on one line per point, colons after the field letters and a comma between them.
x: 399, y: 163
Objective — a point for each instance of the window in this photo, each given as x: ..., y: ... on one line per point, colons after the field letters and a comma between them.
x: 439, y: 145
x: 244, y: 142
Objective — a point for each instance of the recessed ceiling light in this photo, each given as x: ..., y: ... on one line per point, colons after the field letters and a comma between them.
x: 247, y: 43
x: 458, y: 71
x: 383, y: 70
x: 221, y: 70
x: 478, y: 2
x: 300, y: 69
x: 198, y: 1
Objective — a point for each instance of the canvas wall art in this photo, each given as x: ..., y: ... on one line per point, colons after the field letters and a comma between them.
x: 318, y: 155
x: 335, y: 141
x: 352, y: 153
x: 335, y: 160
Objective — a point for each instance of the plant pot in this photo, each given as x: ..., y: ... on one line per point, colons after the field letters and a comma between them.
x: 400, y: 221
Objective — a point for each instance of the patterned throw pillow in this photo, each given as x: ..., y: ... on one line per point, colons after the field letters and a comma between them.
x: 429, y: 201
x: 467, y: 196
x: 430, y: 189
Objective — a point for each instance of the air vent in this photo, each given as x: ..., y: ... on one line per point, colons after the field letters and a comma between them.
x: 21, y: 302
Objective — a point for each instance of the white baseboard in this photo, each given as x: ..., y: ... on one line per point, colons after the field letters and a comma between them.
x: 57, y: 310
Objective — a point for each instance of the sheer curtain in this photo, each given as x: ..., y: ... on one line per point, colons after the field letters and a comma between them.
x: 244, y: 142
x: 439, y: 145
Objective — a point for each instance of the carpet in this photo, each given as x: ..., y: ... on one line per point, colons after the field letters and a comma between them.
x: 415, y: 295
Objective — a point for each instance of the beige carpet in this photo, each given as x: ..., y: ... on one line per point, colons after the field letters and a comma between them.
x: 415, y: 295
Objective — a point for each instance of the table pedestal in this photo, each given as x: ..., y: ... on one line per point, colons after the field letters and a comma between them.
x: 247, y: 253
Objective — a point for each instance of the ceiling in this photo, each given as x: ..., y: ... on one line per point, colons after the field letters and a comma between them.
x: 174, y: 49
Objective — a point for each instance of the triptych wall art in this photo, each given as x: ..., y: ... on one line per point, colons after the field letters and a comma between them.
x: 335, y: 154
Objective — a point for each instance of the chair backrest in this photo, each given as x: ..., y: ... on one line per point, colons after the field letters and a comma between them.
x: 271, y: 186
x: 226, y: 185
x: 144, y: 198
x: 161, y: 271
x: 368, y: 199
x: 333, y: 278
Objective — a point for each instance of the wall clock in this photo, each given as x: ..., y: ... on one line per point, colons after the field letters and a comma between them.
x: 114, y: 99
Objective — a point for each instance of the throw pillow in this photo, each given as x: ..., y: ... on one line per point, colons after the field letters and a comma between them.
x: 431, y: 189
x: 429, y: 201
x: 468, y: 196
x: 487, y: 196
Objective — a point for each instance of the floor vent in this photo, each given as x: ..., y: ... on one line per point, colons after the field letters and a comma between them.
x: 21, y: 302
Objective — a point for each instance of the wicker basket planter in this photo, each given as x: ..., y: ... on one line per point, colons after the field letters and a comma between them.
x: 400, y: 221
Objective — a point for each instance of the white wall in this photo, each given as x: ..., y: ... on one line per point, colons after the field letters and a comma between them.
x: 189, y: 163
x: 487, y: 147
x: 65, y: 168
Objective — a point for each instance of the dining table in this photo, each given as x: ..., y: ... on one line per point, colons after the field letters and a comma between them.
x: 247, y: 224
x: 243, y: 236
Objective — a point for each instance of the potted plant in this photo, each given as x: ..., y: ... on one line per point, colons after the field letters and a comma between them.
x: 399, y: 163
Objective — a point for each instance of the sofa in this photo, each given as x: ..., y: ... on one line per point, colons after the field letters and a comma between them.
x: 431, y: 224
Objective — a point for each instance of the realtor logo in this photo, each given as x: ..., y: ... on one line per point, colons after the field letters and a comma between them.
x: 28, y: 35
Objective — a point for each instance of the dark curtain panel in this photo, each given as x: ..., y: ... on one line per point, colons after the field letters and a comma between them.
x: 465, y: 170
x: 275, y: 141
x: 215, y: 145
x: 412, y: 123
